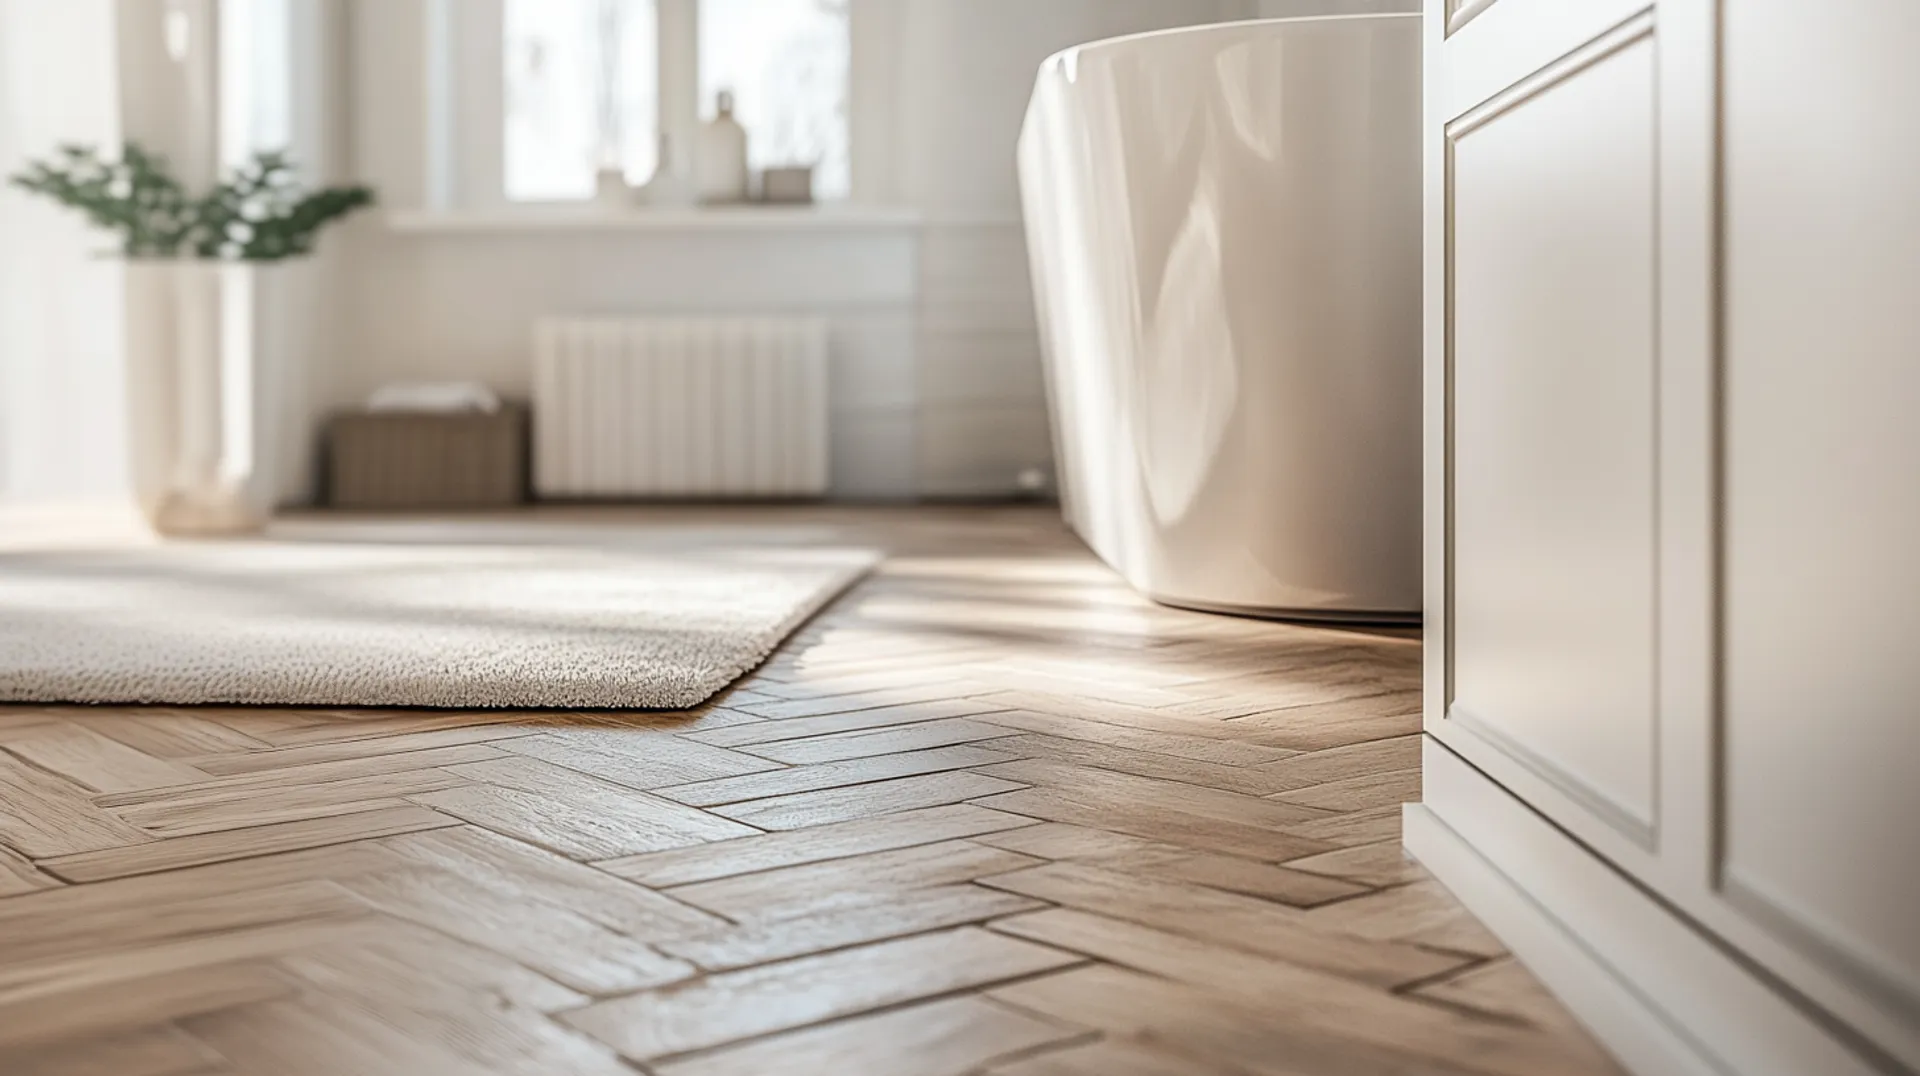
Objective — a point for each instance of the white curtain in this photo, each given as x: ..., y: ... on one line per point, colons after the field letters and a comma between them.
x: 63, y: 67
x: 61, y: 400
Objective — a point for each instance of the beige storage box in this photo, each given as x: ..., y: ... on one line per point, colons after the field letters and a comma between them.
x: 414, y: 460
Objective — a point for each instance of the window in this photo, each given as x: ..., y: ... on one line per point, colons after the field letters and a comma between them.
x: 786, y: 63
x: 583, y: 87
x: 582, y: 90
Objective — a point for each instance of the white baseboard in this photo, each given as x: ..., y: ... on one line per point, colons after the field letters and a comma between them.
x: 1663, y: 997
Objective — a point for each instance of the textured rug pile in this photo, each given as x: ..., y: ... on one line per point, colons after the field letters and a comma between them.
x: 465, y: 626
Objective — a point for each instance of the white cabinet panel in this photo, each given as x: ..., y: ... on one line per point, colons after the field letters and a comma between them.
x: 1673, y: 489
x: 1821, y: 573
x: 1553, y: 414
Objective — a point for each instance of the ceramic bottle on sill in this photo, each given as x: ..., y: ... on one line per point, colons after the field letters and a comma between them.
x: 721, y: 157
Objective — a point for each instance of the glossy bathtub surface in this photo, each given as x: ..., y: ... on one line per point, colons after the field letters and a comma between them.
x: 1224, y: 225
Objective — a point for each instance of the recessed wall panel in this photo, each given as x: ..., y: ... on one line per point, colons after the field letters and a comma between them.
x: 1552, y: 429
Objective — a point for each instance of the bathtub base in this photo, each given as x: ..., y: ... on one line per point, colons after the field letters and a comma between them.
x: 1355, y: 617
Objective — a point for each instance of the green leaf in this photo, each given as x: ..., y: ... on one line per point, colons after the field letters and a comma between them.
x: 139, y: 199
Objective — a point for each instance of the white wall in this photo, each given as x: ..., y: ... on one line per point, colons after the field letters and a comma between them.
x: 937, y: 368
x: 463, y: 304
x: 60, y: 377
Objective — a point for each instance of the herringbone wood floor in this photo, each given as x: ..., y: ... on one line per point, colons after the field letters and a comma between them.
x: 991, y: 813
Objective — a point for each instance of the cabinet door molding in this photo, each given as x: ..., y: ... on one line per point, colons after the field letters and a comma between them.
x: 1672, y: 512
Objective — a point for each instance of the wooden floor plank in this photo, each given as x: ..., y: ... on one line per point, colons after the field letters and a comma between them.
x: 1336, y: 1019
x: 104, y: 904
x: 856, y: 745
x: 826, y: 806
x: 1358, y: 793
x: 640, y: 758
x: 1500, y: 987
x: 1171, y: 797
x: 1153, y: 764
x: 169, y: 733
x: 1208, y: 1032
x: 813, y: 778
x: 1060, y: 840
x: 161, y: 1050
x: 97, y: 762
x: 1422, y: 912
x: 42, y: 815
x: 913, y: 911
x: 388, y: 750
x: 564, y: 946
x: 1339, y: 763
x: 732, y: 1006
x: 135, y: 1004
x: 1112, y: 1057
x: 41, y: 933
x: 403, y: 965
x: 304, y: 774
x: 193, y: 851
x: 1334, y: 724
x: 769, y: 732
x: 572, y: 813
x: 1235, y: 875
x: 1367, y: 826
x: 209, y: 811
x: 500, y: 863
x: 1227, y: 918
x: 822, y: 696
x: 1382, y: 863
x: 342, y: 732
x: 954, y: 1037
x: 1128, y: 854
x: 1076, y: 807
x: 851, y: 882
x: 745, y: 855
x: 1151, y: 729
x: 319, y: 1034
x: 18, y: 875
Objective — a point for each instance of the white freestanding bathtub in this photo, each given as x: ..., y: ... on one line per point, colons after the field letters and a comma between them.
x: 1224, y: 226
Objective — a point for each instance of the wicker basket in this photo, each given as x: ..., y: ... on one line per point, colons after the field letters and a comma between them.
x: 403, y: 460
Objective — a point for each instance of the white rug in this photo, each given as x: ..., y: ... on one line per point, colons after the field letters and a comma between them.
x: 615, y: 626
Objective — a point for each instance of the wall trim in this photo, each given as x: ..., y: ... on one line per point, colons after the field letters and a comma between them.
x: 1665, y: 997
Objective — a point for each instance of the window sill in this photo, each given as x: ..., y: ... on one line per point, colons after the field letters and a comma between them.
x: 588, y: 218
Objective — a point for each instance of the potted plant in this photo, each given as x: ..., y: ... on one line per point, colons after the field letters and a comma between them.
x: 201, y: 383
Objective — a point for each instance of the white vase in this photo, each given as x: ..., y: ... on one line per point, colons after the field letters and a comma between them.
x: 669, y: 187
x: 721, y: 158
x: 202, y: 392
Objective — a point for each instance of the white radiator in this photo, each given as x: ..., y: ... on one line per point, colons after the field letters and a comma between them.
x: 680, y: 407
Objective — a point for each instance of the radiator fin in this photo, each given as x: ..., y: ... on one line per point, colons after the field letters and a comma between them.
x: 680, y: 407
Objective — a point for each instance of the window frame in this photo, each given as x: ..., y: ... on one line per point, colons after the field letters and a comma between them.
x: 466, y: 91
